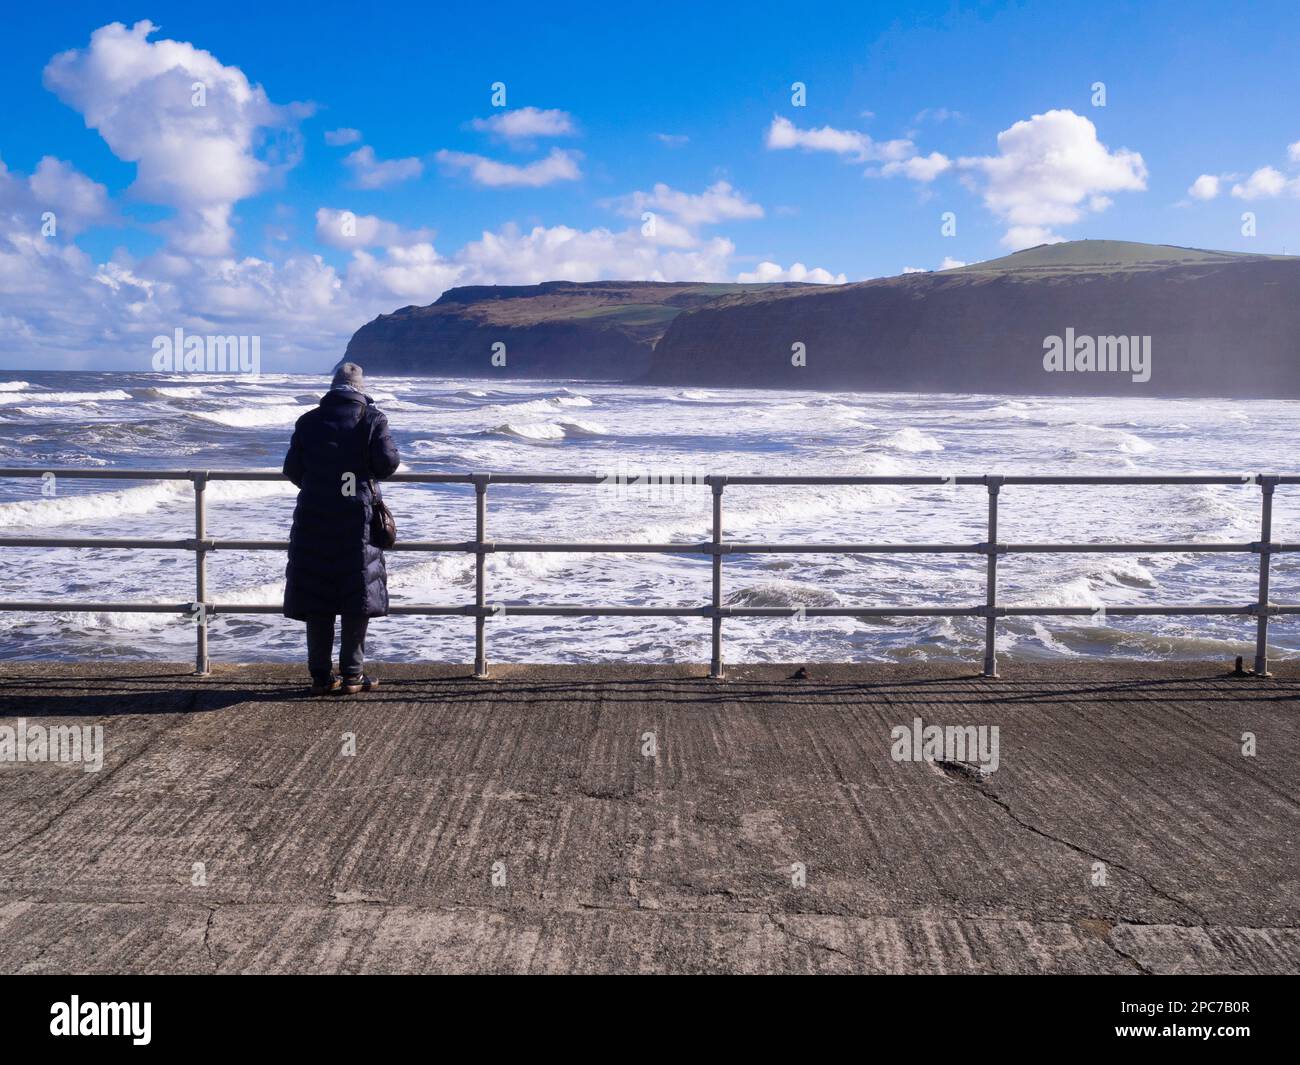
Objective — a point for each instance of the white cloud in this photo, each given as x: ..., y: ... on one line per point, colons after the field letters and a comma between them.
x: 60, y: 306
x: 66, y: 308
x: 1266, y: 183
x: 336, y: 138
x: 407, y: 274
x: 1050, y: 170
x: 369, y: 172
x: 851, y: 143
x: 673, y: 140
x: 345, y: 229
x: 559, y: 252
x: 1205, y: 187
x: 200, y: 160
x: 770, y: 272
x: 511, y: 256
x: 560, y: 165
x: 525, y: 123
x: 1017, y: 238
x: 56, y: 186
x: 922, y: 168
x: 717, y: 203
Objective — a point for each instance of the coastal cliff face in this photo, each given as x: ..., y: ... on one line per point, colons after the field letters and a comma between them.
x: 1128, y: 319
x: 603, y: 330
x: 1191, y: 323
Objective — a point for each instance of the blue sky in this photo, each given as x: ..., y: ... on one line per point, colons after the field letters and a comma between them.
x: 232, y: 216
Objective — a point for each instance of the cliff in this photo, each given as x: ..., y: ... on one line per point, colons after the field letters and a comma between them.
x: 602, y: 330
x: 1170, y: 321
x: 1219, y: 324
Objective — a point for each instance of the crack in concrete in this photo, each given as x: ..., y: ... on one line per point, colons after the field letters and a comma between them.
x: 1144, y: 970
x: 807, y: 941
x: 1101, y: 929
x: 981, y: 786
x: 207, y: 938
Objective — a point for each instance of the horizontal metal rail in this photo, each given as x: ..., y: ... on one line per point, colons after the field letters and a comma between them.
x: 203, y: 607
x: 730, y: 547
x: 98, y: 474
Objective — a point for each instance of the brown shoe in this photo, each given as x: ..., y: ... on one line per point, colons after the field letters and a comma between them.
x: 331, y: 685
x: 352, y: 685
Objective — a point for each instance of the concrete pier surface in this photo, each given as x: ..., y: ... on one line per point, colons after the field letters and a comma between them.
x: 646, y: 819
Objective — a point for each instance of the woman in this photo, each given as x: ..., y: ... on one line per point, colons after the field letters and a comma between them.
x: 334, y: 570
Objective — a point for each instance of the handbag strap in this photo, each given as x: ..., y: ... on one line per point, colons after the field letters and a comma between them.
x: 370, y: 436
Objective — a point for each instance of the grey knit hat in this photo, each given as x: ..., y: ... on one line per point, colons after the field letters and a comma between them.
x: 349, y: 373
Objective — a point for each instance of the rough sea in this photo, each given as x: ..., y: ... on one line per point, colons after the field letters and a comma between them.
x: 126, y: 420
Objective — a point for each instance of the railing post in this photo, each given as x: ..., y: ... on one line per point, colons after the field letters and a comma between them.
x: 715, y: 664
x: 201, y: 664
x: 480, y: 575
x: 1267, y: 482
x: 991, y: 580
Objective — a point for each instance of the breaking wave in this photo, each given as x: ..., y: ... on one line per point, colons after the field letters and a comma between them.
x: 97, y: 506
x: 913, y: 441
x: 254, y: 418
x: 23, y: 396
x: 548, y: 432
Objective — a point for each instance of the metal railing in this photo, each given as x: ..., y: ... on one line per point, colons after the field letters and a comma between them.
x: 202, y: 609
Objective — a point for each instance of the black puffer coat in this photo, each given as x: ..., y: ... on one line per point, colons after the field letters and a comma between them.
x: 333, y: 568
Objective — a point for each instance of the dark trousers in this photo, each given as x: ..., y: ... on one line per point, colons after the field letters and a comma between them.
x: 352, y: 646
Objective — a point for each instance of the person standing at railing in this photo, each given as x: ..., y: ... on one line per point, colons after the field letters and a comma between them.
x: 335, y: 570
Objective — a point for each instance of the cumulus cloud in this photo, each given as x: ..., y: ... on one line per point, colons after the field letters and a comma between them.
x: 560, y: 165
x: 1263, y: 183
x: 1019, y: 237
x: 672, y: 218
x: 59, y: 301
x: 769, y: 272
x: 717, y: 203
x: 199, y: 159
x: 542, y: 254
x: 1051, y: 170
x: 345, y: 229
x: 76, y: 201
x: 526, y: 123
x: 368, y: 172
x: 512, y: 256
x: 1266, y: 183
x: 201, y: 152
x: 51, y: 299
x: 923, y: 168
x: 850, y: 143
